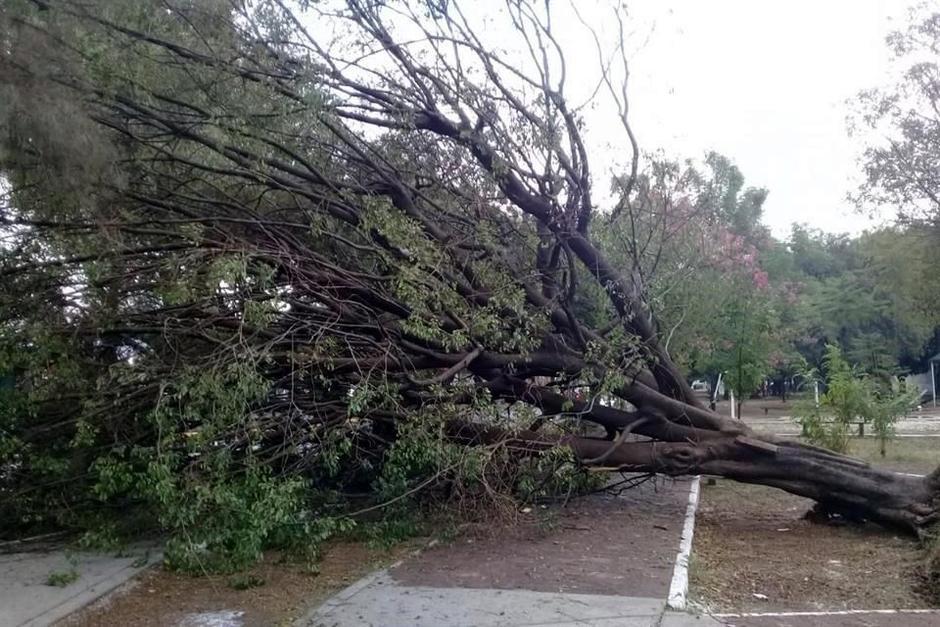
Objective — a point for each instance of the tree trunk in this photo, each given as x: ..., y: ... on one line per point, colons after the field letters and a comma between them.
x: 690, y: 441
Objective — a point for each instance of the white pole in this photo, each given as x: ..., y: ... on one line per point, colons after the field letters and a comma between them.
x: 732, y: 404
x: 816, y: 392
x: 933, y: 384
x: 717, y: 387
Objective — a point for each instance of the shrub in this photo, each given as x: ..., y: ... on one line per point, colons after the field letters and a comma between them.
x: 853, y: 396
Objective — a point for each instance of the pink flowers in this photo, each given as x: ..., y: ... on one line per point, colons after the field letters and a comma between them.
x: 761, y: 280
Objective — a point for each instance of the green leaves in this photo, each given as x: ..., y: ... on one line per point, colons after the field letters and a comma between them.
x: 852, y: 396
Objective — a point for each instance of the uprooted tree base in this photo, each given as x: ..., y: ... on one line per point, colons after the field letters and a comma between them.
x: 261, y: 260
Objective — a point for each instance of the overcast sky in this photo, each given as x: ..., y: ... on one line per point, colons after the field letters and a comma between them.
x: 766, y: 83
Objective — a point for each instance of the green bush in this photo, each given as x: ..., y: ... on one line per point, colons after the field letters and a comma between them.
x: 852, y: 396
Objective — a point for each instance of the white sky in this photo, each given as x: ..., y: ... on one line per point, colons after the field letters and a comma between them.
x: 766, y: 83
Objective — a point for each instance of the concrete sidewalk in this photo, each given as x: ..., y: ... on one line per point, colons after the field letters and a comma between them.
x: 379, y: 601
x: 604, y: 561
x: 26, y: 599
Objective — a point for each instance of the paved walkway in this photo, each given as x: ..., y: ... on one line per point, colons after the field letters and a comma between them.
x: 26, y: 599
x: 603, y: 561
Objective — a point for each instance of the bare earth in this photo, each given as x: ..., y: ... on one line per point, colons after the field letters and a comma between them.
x: 601, y: 544
x: 754, y: 552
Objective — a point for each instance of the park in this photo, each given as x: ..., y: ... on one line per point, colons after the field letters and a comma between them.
x: 454, y: 312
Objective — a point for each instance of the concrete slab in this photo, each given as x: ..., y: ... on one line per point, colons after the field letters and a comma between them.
x: 27, y: 601
x: 389, y: 605
x: 617, y: 621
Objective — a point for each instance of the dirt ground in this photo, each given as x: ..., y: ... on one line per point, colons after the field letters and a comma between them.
x: 278, y: 592
x: 754, y: 551
x: 599, y: 544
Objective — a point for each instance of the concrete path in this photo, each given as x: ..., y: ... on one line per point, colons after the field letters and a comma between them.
x: 604, y: 561
x: 27, y: 600
x: 381, y: 601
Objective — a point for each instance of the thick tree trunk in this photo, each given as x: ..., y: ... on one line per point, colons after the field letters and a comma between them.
x: 687, y: 440
x: 839, y: 484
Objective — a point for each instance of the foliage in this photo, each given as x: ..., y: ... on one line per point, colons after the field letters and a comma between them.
x: 845, y: 400
x: 890, y: 402
x: 853, y: 396
x: 555, y: 474
x: 246, y: 581
x: 901, y: 164
x: 62, y: 578
x: 697, y: 233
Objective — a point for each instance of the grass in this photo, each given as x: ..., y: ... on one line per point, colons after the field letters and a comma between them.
x: 919, y: 455
x: 62, y: 578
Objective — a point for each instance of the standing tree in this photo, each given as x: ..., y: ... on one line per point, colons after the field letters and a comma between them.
x: 902, y: 171
x: 244, y: 244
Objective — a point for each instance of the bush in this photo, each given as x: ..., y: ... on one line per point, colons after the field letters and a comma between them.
x: 852, y: 396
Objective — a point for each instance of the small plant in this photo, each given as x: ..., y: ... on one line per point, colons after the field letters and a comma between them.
x: 888, y: 404
x: 103, y: 537
x: 853, y: 396
x: 62, y: 578
x: 246, y: 581
x: 448, y: 532
x: 394, y: 528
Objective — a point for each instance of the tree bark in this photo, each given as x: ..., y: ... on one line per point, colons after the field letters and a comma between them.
x: 839, y: 484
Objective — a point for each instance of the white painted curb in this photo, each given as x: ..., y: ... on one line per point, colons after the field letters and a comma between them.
x: 679, y: 587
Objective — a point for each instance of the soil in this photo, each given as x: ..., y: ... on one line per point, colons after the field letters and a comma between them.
x: 600, y: 544
x: 752, y: 540
x: 754, y: 552
x: 158, y: 598
x: 852, y: 620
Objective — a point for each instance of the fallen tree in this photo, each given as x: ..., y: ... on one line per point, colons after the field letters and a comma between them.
x: 254, y: 239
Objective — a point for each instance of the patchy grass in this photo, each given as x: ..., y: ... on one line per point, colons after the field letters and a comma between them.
x: 920, y: 455
x: 753, y: 542
x: 62, y: 578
